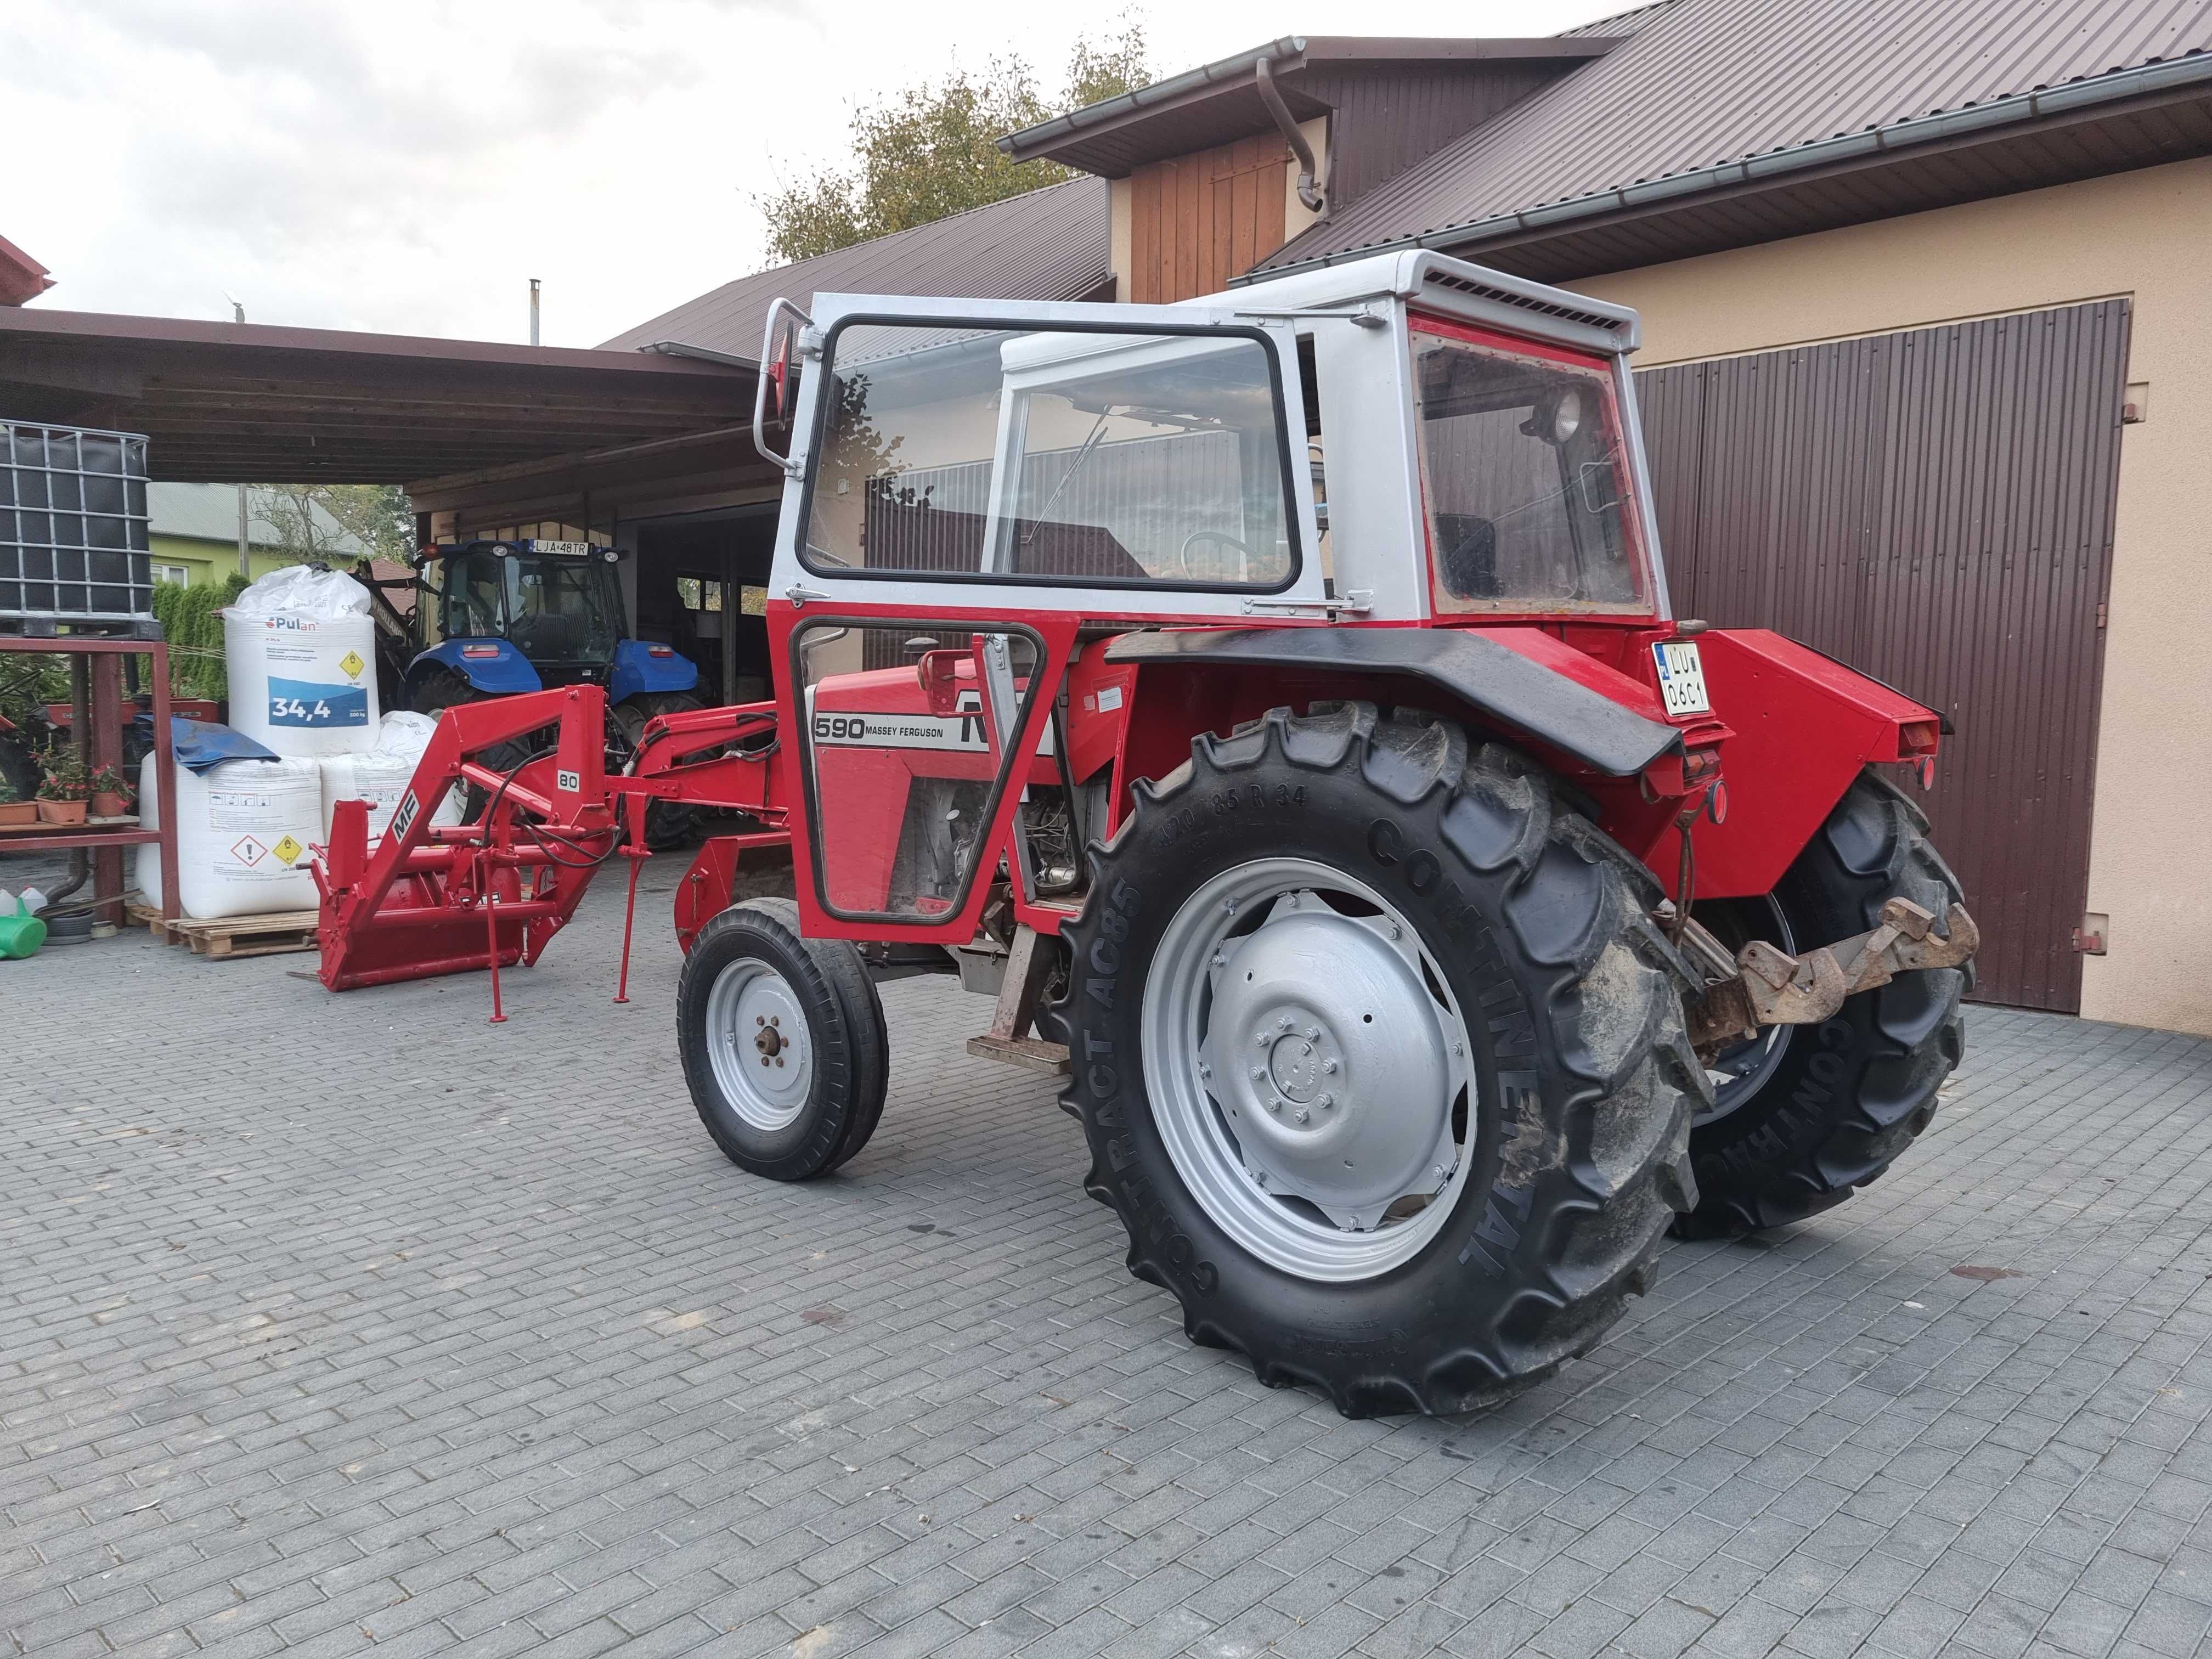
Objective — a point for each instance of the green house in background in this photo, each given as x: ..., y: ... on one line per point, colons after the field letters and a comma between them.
x: 193, y: 530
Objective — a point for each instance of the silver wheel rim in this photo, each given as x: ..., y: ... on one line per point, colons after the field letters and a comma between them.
x: 1738, y: 1073
x: 759, y: 1044
x: 1303, y: 1055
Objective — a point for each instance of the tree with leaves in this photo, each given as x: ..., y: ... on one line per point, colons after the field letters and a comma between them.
x: 310, y: 520
x: 932, y: 149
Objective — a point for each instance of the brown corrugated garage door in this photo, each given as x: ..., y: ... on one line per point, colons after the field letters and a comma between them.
x: 1934, y: 507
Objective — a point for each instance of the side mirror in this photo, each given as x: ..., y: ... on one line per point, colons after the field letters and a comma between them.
x: 775, y: 393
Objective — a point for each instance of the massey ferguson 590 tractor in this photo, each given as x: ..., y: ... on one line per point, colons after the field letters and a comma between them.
x: 1274, y: 701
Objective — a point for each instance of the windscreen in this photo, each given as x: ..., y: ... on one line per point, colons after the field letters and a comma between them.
x: 1525, y: 480
x: 551, y: 609
x: 1016, y: 455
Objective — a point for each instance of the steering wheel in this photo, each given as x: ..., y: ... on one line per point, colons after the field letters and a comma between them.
x: 1222, y: 536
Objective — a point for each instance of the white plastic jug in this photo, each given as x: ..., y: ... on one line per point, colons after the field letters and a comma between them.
x: 302, y: 650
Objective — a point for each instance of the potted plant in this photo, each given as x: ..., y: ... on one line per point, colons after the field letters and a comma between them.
x: 14, y: 808
x: 67, y: 791
x: 111, y: 792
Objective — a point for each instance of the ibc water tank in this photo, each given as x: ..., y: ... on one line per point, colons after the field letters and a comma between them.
x: 301, y: 647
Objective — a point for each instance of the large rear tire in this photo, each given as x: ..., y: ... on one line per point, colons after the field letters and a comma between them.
x: 783, y: 1042
x: 1813, y: 1113
x: 668, y: 825
x: 1282, y: 947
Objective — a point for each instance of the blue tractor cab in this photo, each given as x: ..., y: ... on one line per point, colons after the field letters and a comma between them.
x: 493, y: 618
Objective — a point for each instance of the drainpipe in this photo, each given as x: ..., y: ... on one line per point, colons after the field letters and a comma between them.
x: 1263, y: 77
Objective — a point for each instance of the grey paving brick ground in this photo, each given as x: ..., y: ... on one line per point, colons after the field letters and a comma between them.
x: 329, y: 1324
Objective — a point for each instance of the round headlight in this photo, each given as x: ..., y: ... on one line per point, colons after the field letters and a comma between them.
x: 1567, y: 418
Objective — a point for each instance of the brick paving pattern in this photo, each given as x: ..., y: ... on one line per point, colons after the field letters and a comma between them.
x: 333, y: 1324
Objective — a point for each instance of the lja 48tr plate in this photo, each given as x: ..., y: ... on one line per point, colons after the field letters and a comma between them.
x: 1681, y: 678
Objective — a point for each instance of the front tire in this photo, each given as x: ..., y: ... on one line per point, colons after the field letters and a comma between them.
x: 783, y: 1042
x: 1259, y: 884
x: 1826, y: 1109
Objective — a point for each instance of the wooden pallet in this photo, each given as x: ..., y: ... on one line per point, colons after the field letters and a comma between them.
x: 280, y: 933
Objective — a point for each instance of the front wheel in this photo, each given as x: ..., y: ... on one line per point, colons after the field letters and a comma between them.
x: 783, y: 1042
x: 1380, y: 1058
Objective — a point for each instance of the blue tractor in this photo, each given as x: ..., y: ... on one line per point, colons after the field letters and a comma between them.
x: 493, y: 618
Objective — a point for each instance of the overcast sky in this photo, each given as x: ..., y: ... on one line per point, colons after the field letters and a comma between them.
x: 408, y: 165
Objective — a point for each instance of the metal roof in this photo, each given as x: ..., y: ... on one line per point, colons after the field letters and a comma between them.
x: 21, y: 277
x: 1050, y: 243
x: 1707, y: 93
x: 1220, y: 102
x: 246, y: 402
x: 209, y: 513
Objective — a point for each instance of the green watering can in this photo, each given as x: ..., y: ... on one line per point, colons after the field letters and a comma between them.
x: 22, y: 934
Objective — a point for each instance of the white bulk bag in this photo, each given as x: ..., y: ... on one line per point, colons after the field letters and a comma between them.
x: 301, y: 647
x: 380, y: 776
x: 243, y: 829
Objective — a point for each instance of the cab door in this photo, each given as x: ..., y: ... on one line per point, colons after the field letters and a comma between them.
x: 969, y: 485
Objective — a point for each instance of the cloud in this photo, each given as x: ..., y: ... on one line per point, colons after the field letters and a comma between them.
x: 408, y: 165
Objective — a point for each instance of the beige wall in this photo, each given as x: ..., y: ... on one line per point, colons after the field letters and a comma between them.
x: 2147, y: 235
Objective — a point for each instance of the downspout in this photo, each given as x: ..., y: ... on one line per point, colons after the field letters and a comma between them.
x: 1263, y: 77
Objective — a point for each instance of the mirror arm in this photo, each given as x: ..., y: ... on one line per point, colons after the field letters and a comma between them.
x: 760, y: 384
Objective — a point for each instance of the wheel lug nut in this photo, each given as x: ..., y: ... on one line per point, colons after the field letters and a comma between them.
x: 1313, y: 1033
x: 1326, y: 1102
x: 778, y: 1060
x: 1259, y: 1071
x: 1284, y: 1021
x: 1396, y: 931
x: 1274, y: 1105
x: 1304, y: 1115
x: 759, y: 1019
x: 1328, y: 1065
x: 776, y: 1019
x: 1221, y: 958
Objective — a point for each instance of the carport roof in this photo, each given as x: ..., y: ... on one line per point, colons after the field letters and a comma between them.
x: 246, y: 402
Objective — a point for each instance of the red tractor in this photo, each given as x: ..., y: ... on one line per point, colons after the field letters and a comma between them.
x: 1274, y: 701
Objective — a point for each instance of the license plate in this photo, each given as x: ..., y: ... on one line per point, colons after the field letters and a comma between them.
x: 1681, y: 678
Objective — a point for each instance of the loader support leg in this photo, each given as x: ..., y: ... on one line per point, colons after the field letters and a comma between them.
x: 491, y: 934
x: 637, y: 856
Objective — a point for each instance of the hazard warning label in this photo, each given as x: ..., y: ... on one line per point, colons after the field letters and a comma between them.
x: 352, y: 664
x: 248, y: 851
x: 287, y: 849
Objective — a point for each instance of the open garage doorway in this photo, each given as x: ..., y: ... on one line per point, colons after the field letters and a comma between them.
x: 701, y: 581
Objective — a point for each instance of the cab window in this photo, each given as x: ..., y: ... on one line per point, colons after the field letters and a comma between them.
x: 1525, y: 480
x: 1052, y: 456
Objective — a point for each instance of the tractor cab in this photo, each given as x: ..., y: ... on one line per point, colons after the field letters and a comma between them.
x: 503, y: 616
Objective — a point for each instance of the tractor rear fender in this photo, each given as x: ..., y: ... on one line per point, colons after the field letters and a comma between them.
x: 1802, y: 727
x: 1793, y: 727
x: 1569, y: 710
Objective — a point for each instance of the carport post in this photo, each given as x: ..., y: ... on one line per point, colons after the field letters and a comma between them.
x: 245, y: 559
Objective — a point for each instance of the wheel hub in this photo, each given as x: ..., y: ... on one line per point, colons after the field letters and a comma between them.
x: 1328, y: 1055
x: 758, y: 1043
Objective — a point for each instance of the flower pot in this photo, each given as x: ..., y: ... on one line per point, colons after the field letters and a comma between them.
x: 18, y: 811
x: 110, y: 804
x: 61, y: 812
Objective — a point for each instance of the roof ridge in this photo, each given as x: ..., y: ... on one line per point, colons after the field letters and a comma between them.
x: 1597, y: 24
